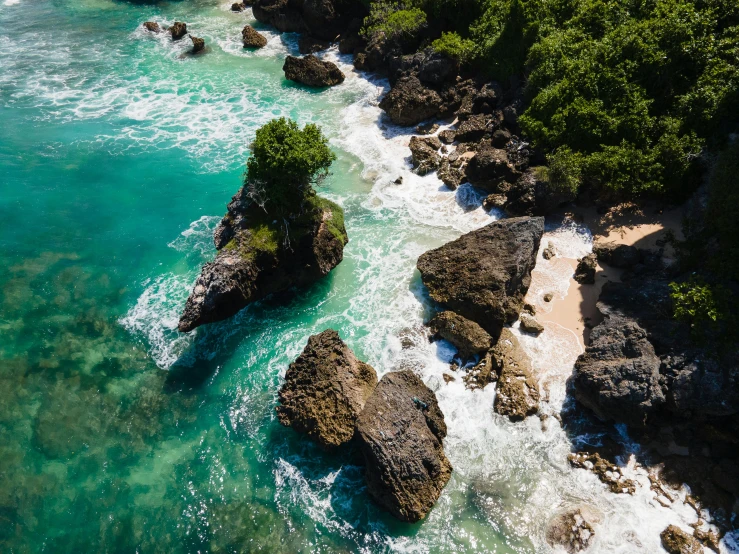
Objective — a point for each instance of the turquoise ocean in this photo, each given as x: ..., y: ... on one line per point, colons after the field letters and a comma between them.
x: 118, y: 154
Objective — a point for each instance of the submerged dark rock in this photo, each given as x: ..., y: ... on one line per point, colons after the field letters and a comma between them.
x: 325, y: 390
x: 178, y: 30
x: 400, y: 433
x: 252, y: 38
x: 256, y: 258
x: 485, y: 274
x: 313, y: 72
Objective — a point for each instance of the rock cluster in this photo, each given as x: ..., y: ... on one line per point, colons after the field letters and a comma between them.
x: 331, y: 396
x: 517, y: 395
x: 311, y: 71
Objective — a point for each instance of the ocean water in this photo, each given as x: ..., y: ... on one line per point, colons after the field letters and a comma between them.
x: 118, y: 154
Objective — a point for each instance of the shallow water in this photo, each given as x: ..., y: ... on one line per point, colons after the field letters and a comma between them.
x: 118, y: 154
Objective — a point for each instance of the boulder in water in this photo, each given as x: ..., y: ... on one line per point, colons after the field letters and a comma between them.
x: 517, y: 394
x: 151, y: 26
x: 311, y: 71
x: 484, y: 275
x: 409, y: 102
x: 530, y: 324
x: 424, y: 154
x: 677, y: 541
x: 400, y: 433
x: 252, y: 38
x: 325, y: 390
x: 467, y: 336
x: 585, y: 271
x: 178, y: 30
x: 198, y: 44
x: 237, y: 7
x: 572, y: 529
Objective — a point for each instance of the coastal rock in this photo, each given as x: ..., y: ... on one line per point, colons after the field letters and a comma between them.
x: 447, y: 136
x: 198, y: 44
x: 501, y: 137
x: 549, y: 252
x: 607, y: 472
x: 467, y: 336
x: 488, y: 167
x: 451, y: 176
x: 151, y: 26
x: 400, y: 433
x: 517, y: 394
x: 474, y: 128
x: 237, y: 7
x: 573, y: 529
x: 252, y: 38
x: 325, y: 390
x: 494, y: 201
x: 585, y: 271
x: 485, y: 274
x: 530, y: 325
x: 618, y: 376
x: 409, y: 102
x: 279, y: 14
x: 255, y: 260
x: 313, y: 72
x: 617, y: 255
x: 310, y: 45
x: 533, y: 194
x: 677, y: 541
x: 178, y: 30
x: 424, y: 154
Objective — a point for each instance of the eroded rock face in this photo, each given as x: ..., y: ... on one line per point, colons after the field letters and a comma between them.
x: 151, y: 26
x: 254, y: 259
x: 572, y: 529
x: 485, y: 274
x: 252, y: 38
x: 424, y: 155
x: 409, y: 102
x: 607, y: 472
x: 310, y: 45
x: 677, y: 541
x: 400, y: 433
x: 489, y: 167
x: 198, y: 44
x: 467, y: 336
x: 325, y: 390
x: 585, y: 271
x: 313, y: 72
x: 178, y: 30
x: 517, y: 394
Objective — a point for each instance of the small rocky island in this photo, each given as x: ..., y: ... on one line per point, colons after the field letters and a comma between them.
x: 277, y: 232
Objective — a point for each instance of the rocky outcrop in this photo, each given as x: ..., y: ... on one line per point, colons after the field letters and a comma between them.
x: 585, y: 271
x: 533, y: 194
x: 467, y: 336
x: 178, y: 30
x: 198, y: 44
x: 322, y: 19
x: 257, y: 258
x: 572, y: 529
x: 313, y: 72
x: 677, y: 541
x: 484, y: 275
x: 310, y: 45
x: 474, y: 128
x: 517, y: 394
x: 607, y: 472
x: 451, y: 175
x: 409, y: 102
x: 237, y: 7
x: 617, y: 255
x: 252, y: 38
x: 151, y: 26
x: 489, y: 168
x: 325, y: 390
x: 530, y: 324
x: 424, y: 154
x: 400, y: 433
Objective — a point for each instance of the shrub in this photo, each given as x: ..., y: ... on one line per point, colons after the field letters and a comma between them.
x: 565, y: 168
x: 285, y: 163
x: 454, y: 46
x: 722, y: 220
x: 393, y: 19
x: 694, y: 302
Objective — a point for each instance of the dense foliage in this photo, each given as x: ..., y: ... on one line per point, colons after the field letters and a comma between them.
x: 394, y: 20
x: 285, y: 163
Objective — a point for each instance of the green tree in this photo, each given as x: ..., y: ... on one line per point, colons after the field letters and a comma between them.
x: 286, y: 162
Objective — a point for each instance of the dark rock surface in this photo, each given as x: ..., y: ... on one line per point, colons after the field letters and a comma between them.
x: 325, y: 390
x: 245, y: 270
x: 151, y: 26
x: 178, y: 30
x: 198, y: 44
x: 451, y: 176
x: 310, y: 45
x: 532, y: 194
x: 252, y: 38
x: 485, y: 274
x: 489, y: 167
x: 517, y: 394
x: 607, y: 472
x: 400, y: 433
x: 530, y: 324
x: 409, y: 102
x: 467, y: 336
x: 585, y: 271
x: 617, y: 255
x: 424, y: 154
x: 237, y: 7
x: 474, y: 128
x: 313, y: 72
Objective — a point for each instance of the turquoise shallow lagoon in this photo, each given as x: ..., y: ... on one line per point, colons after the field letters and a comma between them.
x: 118, y: 154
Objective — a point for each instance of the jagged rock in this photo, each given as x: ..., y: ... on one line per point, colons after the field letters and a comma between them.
x: 424, y: 154
x: 585, y: 271
x: 431, y: 67
x: 152, y: 26
x: 533, y: 194
x: 474, y: 128
x: 494, y: 201
x: 548, y: 297
x: 178, y: 30
x: 677, y: 541
x: 400, y: 433
x: 254, y: 258
x: 252, y: 38
x: 608, y: 473
x: 325, y: 390
x: 310, y: 45
x: 451, y: 176
x: 486, y: 100
x: 617, y: 255
x: 530, y: 325
x: 572, y: 529
x: 409, y: 102
x: 549, y: 252
x: 467, y: 336
x: 489, y: 167
x: 198, y: 44
x: 237, y: 7
x: 485, y: 274
x: 618, y: 376
x: 324, y: 20
x: 482, y: 373
x: 313, y: 72
x: 447, y: 136
x: 427, y: 128
x: 501, y: 137
x: 280, y: 15
x: 517, y: 394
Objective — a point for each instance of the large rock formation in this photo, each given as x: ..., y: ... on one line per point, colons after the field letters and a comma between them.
x: 467, y: 336
x: 325, y: 390
x: 424, y: 154
x: 256, y: 257
x: 313, y: 72
x: 252, y: 38
x: 517, y: 394
x: 178, y: 30
x: 400, y: 432
x: 322, y: 19
x: 485, y: 274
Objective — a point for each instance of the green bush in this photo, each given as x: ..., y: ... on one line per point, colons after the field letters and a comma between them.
x: 285, y: 163
x: 454, y: 46
x: 694, y: 302
x: 722, y: 220
x: 394, y: 20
